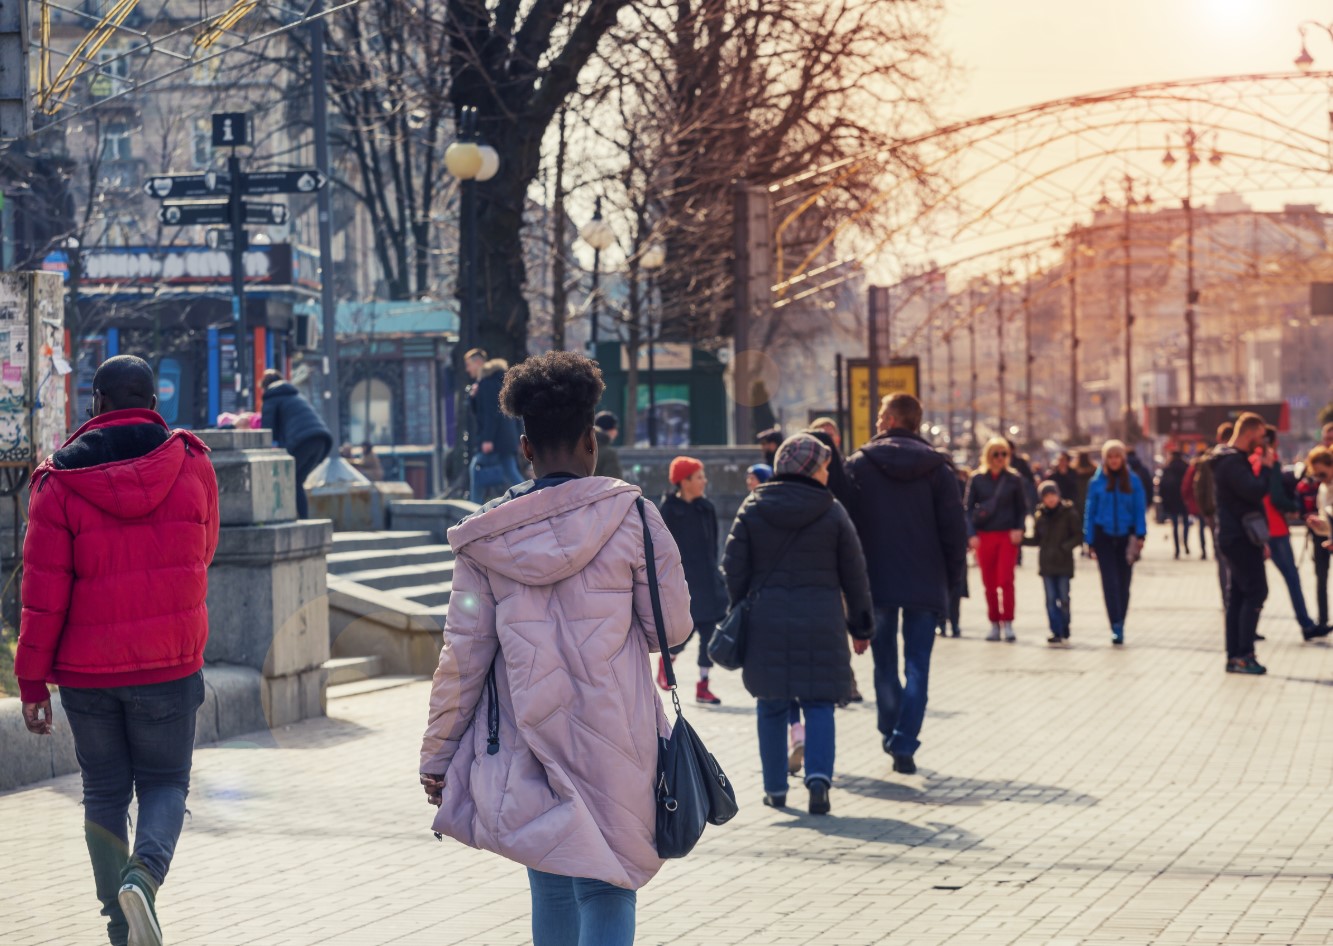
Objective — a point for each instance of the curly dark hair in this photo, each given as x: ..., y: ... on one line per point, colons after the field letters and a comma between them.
x: 556, y: 395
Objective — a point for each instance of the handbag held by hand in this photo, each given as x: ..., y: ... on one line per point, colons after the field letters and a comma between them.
x: 691, y: 789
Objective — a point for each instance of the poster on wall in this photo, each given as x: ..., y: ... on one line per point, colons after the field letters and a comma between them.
x: 33, y: 367
x: 901, y: 374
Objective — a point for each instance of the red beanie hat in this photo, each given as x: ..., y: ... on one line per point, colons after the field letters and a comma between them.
x: 682, y: 468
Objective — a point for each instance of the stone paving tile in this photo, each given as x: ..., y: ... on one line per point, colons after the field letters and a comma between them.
x: 1087, y: 796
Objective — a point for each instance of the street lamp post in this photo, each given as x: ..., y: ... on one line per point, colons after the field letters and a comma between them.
x: 470, y: 163
x: 972, y: 345
x: 1191, y: 140
x: 1130, y: 202
x: 597, y: 233
x: 999, y: 349
x: 652, y: 260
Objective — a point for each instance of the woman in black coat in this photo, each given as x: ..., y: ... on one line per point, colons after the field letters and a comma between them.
x: 297, y: 428
x: 794, y: 549
x: 1170, y: 492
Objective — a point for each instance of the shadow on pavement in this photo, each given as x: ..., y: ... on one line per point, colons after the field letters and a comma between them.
x: 886, y: 831
x: 949, y: 790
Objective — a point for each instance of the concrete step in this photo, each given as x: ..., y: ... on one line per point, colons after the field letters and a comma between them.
x: 362, y: 687
x: 378, y: 541
x: 345, y: 563
x: 352, y: 669
x: 402, y: 576
x: 427, y: 594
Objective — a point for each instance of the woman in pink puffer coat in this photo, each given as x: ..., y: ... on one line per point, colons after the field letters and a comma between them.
x: 553, y: 765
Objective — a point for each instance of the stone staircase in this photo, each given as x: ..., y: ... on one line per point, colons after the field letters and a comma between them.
x: 388, y: 598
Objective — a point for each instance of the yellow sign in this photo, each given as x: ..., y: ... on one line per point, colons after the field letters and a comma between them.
x: 900, y: 375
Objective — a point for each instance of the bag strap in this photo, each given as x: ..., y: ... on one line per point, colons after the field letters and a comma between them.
x: 655, y: 594
x: 782, y: 552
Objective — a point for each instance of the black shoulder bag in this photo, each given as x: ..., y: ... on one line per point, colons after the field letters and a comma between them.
x: 692, y: 790
x: 727, y: 647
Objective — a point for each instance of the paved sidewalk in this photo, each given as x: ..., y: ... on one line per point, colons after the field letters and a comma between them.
x: 1083, y: 796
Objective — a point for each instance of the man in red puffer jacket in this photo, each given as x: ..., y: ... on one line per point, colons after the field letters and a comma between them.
x: 122, y: 525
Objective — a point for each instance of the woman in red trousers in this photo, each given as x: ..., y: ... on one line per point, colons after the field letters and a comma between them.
x: 996, y: 519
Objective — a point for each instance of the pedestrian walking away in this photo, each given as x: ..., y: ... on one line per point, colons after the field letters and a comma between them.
x: 692, y: 520
x: 1242, y: 536
x: 996, y: 518
x: 1280, y: 502
x: 1171, y: 490
x: 914, y: 565
x: 1114, y: 527
x: 825, y: 430
x: 297, y: 428
x: 1192, y: 502
x: 122, y: 526
x: 1057, y: 531
x: 608, y: 458
x: 494, y: 466
x: 795, y: 549
x: 542, y: 737
x: 1205, y: 495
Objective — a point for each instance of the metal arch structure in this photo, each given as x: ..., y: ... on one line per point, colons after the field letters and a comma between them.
x: 147, y: 53
x: 1020, y: 172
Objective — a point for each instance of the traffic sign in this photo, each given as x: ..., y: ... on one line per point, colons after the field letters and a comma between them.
x: 205, y: 212
x: 300, y: 181
x: 221, y: 239
x: 200, y: 212
x: 231, y: 129
x: 261, y: 213
x: 176, y: 186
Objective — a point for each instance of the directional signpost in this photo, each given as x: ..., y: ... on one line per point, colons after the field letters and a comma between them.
x: 231, y: 129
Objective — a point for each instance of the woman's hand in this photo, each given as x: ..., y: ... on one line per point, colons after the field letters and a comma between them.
x: 1016, y: 536
x: 860, y: 646
x: 434, y: 787
x: 974, y: 543
x: 1092, y: 553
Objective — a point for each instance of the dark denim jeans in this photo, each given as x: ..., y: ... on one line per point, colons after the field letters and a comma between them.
x: 1246, y: 594
x: 133, y: 740
x: 902, y: 708
x: 1321, y: 557
x: 308, y: 454
x: 491, y: 470
x: 1057, y: 604
x: 1285, y: 560
x: 574, y: 911
x: 820, y: 742
x: 1117, y: 574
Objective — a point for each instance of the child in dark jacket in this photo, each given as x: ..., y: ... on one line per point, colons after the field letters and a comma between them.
x: 1058, y: 533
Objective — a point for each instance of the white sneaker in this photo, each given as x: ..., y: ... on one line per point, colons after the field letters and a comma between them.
x: 994, y: 634
x: 1009, y: 632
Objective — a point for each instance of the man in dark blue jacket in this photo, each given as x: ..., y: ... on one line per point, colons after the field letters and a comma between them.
x: 910, y: 521
x: 1241, y: 489
x: 297, y: 428
x: 495, y: 459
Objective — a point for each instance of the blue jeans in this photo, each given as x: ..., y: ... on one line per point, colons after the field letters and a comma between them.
x: 1057, y: 604
x: 820, y: 742
x: 492, y: 469
x: 573, y: 911
x: 128, y: 740
x: 1285, y: 560
x: 902, y: 709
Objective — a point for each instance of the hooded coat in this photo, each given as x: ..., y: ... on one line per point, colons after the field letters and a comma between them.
x: 909, y: 518
x: 1171, y: 487
x: 552, y: 588
x: 1239, y: 489
x: 796, y: 646
x: 291, y: 417
x: 122, y: 525
x: 694, y: 527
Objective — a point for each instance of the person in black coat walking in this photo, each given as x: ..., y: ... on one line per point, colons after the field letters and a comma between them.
x: 794, y: 549
x: 1171, y: 494
x: 1240, y: 490
x: 910, y: 523
x: 297, y: 428
x: 495, y: 460
x: 692, y: 520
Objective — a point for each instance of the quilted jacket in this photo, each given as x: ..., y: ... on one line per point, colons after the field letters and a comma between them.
x: 552, y: 588
x: 122, y: 525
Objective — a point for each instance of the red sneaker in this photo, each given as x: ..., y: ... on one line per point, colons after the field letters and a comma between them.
x: 704, y: 695
x: 661, y: 674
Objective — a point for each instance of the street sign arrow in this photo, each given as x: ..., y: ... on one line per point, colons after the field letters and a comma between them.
x: 300, y: 181
x: 176, y: 186
x: 261, y: 213
x: 193, y: 214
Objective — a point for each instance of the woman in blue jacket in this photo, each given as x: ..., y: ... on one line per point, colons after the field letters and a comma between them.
x: 1114, y: 526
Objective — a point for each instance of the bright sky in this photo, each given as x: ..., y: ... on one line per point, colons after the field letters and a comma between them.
x: 1020, y: 52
